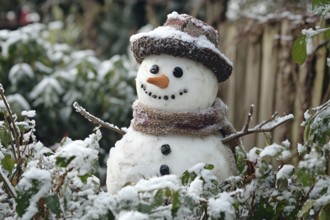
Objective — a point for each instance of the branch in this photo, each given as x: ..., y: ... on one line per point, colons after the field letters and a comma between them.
x: 16, y: 132
x: 265, y: 126
x: 7, y: 184
x: 97, y: 120
x: 248, y: 119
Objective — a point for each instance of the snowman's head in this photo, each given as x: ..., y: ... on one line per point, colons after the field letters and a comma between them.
x: 175, y: 84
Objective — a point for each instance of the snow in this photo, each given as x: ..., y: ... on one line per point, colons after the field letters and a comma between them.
x: 29, y: 114
x: 196, y: 188
x: 253, y: 154
x: 285, y: 172
x: 273, y: 150
x: 55, y: 25
x: 18, y: 71
x: 129, y: 195
x: 46, y: 84
x: 196, y: 22
x: 321, y: 9
x: 46, y: 91
x: 223, y: 204
x: 310, y: 32
x: 322, y: 201
x: 321, y: 192
x: 286, y: 143
x: 168, y: 181
x: 42, y: 67
x: 20, y: 100
x: 42, y: 179
x: 129, y: 215
x: 301, y: 148
x: 309, y: 46
x: 84, y: 153
x: 307, y: 115
x: 313, y: 161
x: 276, y: 121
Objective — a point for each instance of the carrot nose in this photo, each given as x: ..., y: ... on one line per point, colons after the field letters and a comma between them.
x: 160, y: 81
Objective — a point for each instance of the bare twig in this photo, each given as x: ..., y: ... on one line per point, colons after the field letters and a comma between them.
x: 7, y: 184
x: 248, y: 119
x: 11, y: 138
x: 16, y: 132
x: 97, y: 120
x: 61, y: 180
x: 265, y: 126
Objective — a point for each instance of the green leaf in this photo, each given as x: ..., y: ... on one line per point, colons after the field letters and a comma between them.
x: 4, y: 137
x: 299, y: 51
x: 241, y: 160
x: 187, y: 178
x: 303, y: 213
x: 53, y: 203
x: 305, y: 176
x: 189, y: 201
x: 110, y: 216
x: 63, y: 161
x: 8, y: 163
x: 209, y: 167
x: 176, y: 203
x: 263, y: 209
x: 158, y: 199
x: 168, y: 192
x: 144, y: 208
x: 279, y: 208
x: 85, y: 177
x: 282, y: 184
x: 327, y: 35
x: 324, y: 213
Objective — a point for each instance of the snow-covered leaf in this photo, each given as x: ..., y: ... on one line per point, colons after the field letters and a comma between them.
x: 176, y: 203
x: 32, y: 187
x: 19, y: 71
x: 304, y: 212
x: 53, y: 203
x: 64, y: 161
x: 321, y: 7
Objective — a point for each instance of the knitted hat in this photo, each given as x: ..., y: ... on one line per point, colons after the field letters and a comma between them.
x: 183, y: 36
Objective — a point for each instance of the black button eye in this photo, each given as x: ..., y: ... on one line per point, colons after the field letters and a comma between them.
x: 154, y: 69
x: 177, y: 72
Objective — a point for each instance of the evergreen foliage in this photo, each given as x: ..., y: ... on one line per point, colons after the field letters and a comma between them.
x: 39, y: 183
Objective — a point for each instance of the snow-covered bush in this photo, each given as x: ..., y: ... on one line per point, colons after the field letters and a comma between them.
x: 49, y: 77
x: 39, y: 183
x: 303, y: 45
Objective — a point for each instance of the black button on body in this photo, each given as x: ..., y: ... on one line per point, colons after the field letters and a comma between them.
x: 165, y: 149
x: 164, y: 170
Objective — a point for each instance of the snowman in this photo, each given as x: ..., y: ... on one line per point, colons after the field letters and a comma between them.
x: 178, y: 121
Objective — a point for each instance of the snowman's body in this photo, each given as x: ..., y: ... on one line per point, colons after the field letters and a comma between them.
x: 138, y: 155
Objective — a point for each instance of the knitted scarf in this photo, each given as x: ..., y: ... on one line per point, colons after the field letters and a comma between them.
x: 211, y: 120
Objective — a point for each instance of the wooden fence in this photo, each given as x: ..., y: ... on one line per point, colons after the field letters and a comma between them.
x: 265, y: 75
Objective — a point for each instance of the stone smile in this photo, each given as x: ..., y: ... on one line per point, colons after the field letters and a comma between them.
x: 165, y: 97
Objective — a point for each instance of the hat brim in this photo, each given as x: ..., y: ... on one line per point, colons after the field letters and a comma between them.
x: 145, y: 46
